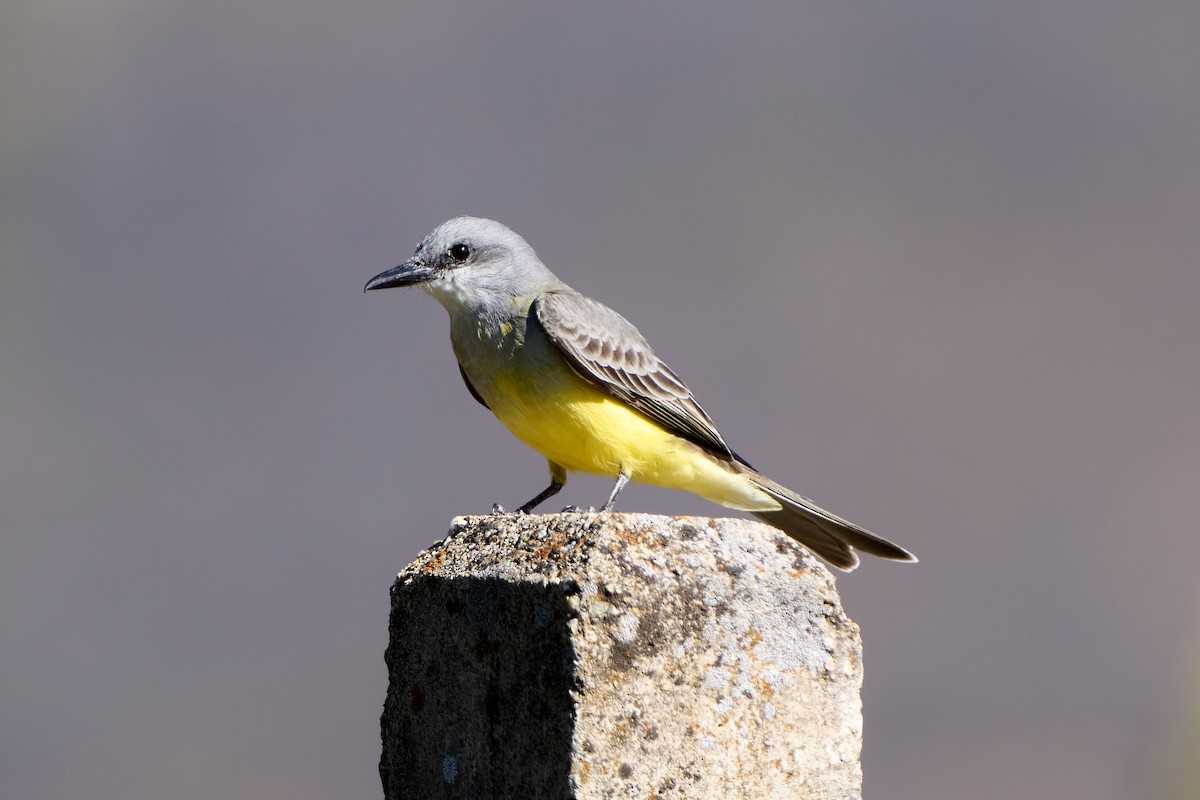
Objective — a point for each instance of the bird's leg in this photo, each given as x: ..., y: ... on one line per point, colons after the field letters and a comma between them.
x: 558, y: 479
x: 549, y: 491
x: 622, y: 479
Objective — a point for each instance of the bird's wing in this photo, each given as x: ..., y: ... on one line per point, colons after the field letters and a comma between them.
x: 607, y: 350
x: 471, y: 387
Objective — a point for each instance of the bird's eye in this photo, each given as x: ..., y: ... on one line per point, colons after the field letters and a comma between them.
x: 460, y: 252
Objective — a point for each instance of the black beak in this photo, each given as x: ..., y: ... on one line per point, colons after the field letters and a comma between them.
x: 407, y: 274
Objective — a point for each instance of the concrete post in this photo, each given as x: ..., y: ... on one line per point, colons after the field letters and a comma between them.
x: 620, y: 656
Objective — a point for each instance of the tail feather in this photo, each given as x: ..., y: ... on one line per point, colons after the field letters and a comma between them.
x: 826, y: 534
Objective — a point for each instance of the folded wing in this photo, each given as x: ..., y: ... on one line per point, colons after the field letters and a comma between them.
x: 606, y: 349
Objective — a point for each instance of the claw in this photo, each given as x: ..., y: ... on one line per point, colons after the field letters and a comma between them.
x: 578, y: 510
x: 498, y: 510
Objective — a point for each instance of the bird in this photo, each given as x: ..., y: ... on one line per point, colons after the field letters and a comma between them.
x: 577, y: 382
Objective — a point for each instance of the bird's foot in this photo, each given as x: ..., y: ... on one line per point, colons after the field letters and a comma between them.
x: 500, y: 511
x: 578, y: 510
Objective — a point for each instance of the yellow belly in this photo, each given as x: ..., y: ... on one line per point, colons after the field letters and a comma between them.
x: 579, y: 427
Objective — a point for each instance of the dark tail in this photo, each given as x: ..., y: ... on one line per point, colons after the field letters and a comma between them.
x: 828, y: 535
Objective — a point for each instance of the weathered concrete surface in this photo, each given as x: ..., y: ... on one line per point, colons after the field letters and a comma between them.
x: 620, y: 656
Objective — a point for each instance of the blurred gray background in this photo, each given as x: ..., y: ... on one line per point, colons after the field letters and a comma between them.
x: 933, y: 264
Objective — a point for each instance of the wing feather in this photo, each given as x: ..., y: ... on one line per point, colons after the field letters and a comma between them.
x: 471, y: 388
x: 605, y: 348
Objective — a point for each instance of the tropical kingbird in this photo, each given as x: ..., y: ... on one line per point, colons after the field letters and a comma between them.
x: 575, y: 381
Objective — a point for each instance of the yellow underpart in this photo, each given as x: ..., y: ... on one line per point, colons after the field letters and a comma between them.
x: 576, y: 425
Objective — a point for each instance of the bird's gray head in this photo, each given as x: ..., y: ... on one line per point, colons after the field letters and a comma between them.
x: 472, y: 264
